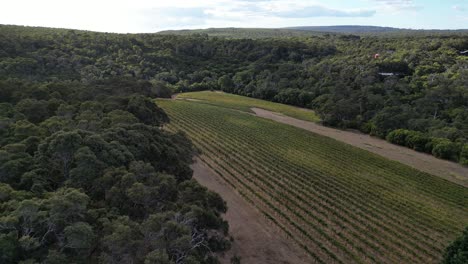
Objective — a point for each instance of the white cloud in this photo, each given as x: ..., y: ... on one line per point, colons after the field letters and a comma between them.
x: 100, y: 15
x: 398, y: 5
x: 155, y: 15
x: 320, y: 11
x: 284, y: 9
x: 459, y: 8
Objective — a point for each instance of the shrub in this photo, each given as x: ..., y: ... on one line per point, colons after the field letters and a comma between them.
x: 412, y: 139
x: 457, y: 252
x: 398, y: 137
x: 445, y: 149
x: 417, y: 141
x: 464, y: 155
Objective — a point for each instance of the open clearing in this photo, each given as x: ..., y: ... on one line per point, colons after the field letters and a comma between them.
x: 307, y: 119
x: 245, y: 104
x: 340, y: 203
x: 446, y: 169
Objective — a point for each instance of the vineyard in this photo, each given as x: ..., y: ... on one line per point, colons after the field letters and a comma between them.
x: 339, y: 203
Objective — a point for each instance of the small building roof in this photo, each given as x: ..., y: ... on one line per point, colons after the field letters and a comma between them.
x: 386, y: 73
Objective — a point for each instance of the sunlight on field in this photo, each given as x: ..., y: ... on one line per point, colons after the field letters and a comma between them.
x: 245, y: 103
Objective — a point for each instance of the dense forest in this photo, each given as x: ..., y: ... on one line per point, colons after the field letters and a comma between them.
x: 410, y: 89
x: 256, y: 33
x: 88, y: 175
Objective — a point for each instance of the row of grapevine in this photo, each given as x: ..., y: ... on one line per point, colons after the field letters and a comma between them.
x: 340, y: 204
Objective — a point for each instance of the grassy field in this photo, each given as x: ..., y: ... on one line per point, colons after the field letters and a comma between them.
x: 243, y: 103
x: 340, y: 203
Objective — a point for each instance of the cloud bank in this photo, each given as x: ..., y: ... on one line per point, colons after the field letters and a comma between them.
x: 154, y: 15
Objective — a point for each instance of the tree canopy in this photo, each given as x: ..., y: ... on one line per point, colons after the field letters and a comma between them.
x: 418, y: 82
x: 87, y: 175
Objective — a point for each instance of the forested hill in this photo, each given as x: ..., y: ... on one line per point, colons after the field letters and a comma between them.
x: 308, y: 31
x: 292, y: 31
x: 241, y: 33
x: 350, y: 29
x: 409, y: 88
x: 87, y: 175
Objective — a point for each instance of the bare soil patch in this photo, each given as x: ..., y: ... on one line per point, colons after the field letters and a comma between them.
x: 256, y: 240
x: 448, y: 170
x: 193, y: 100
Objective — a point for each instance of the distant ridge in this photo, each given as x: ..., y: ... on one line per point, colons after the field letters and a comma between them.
x: 301, y: 31
x: 349, y: 29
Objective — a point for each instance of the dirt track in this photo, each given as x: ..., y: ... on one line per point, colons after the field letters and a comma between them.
x: 256, y: 241
x: 445, y: 169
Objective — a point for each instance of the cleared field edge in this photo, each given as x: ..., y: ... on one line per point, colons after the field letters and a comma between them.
x: 447, y: 170
x: 427, y: 178
x: 261, y: 241
x: 245, y: 104
x: 190, y: 122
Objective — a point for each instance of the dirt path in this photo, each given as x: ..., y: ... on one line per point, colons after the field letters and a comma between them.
x: 256, y: 240
x: 446, y: 169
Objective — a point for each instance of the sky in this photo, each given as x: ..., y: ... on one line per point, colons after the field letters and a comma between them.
x: 144, y: 16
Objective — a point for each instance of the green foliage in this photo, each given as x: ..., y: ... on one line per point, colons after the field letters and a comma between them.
x: 84, y: 169
x: 439, y: 147
x: 146, y: 111
x: 79, y: 238
x: 157, y: 257
x: 445, y: 149
x: 457, y: 252
x: 23, y: 129
x: 399, y: 137
x: 226, y: 84
x: 34, y: 110
x: 417, y: 83
x: 418, y: 141
x: 464, y: 155
x: 388, y: 119
x: 9, y: 248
